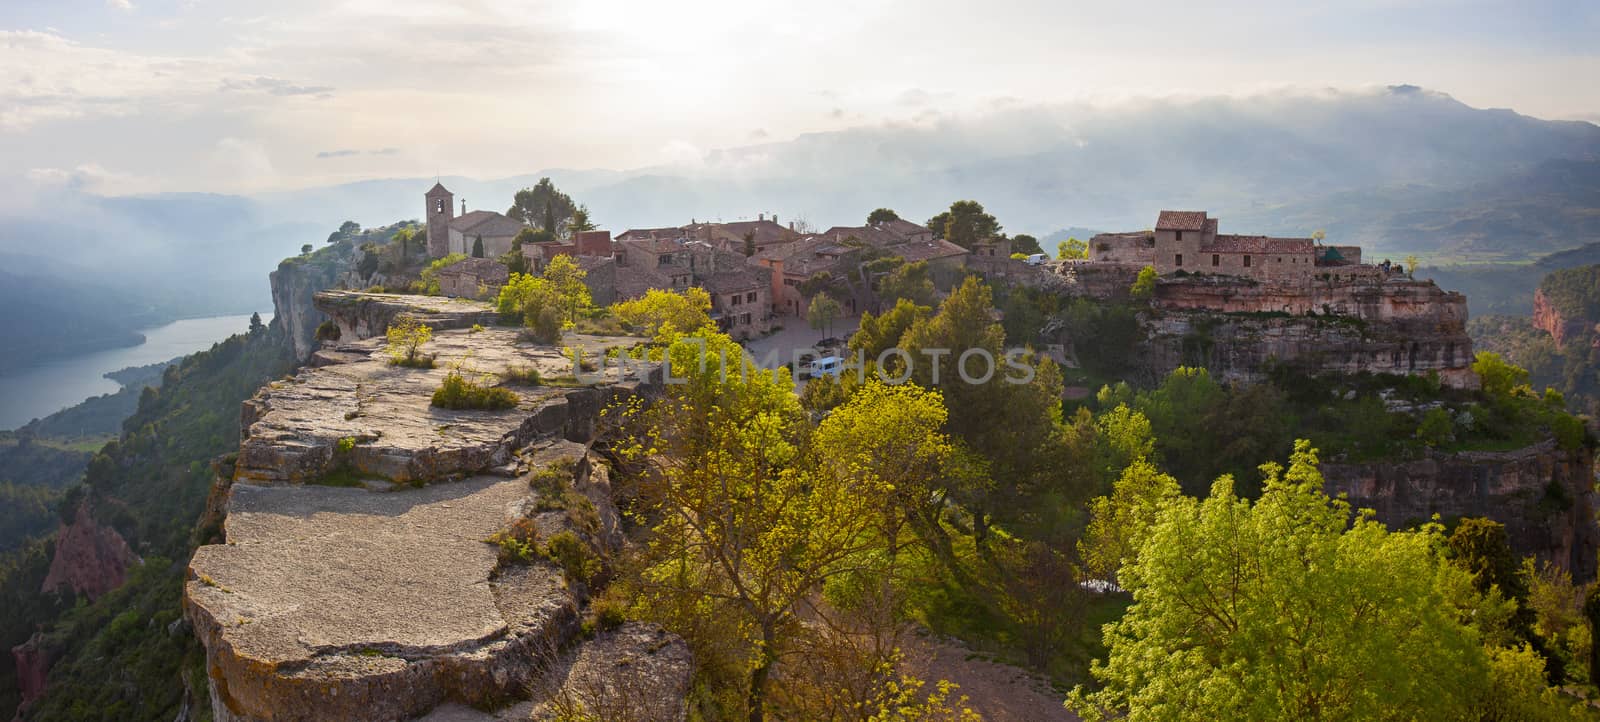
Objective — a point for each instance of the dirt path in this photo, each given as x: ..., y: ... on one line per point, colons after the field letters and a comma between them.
x: 1000, y: 692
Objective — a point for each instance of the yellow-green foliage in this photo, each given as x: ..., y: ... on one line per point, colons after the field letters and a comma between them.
x: 1145, y: 285
x: 429, y: 282
x: 537, y: 302
x: 457, y: 392
x: 406, y: 335
x: 667, y: 315
x: 567, y: 279
x: 1293, y: 607
x: 518, y: 543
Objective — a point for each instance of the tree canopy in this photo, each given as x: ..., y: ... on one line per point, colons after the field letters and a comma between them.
x: 543, y: 205
x: 965, y: 224
x: 881, y: 215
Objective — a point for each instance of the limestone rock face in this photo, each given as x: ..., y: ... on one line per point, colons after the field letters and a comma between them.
x: 364, y: 315
x: 292, y: 429
x: 385, y: 601
x: 90, y: 559
x: 1543, y: 495
x: 32, y: 660
x: 636, y: 672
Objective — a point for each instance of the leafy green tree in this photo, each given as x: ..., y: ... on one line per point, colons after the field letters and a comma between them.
x: 543, y: 204
x: 881, y: 215
x: 567, y: 278
x: 1501, y: 379
x: 908, y: 281
x: 750, y: 522
x: 579, y: 222
x: 1025, y: 244
x: 531, y: 236
x: 880, y: 333
x: 964, y: 224
x: 1289, y: 608
x: 403, y: 238
x: 347, y: 230
x: 823, y: 312
x: 1118, y: 523
x: 666, y: 314
x: 1144, y: 287
x: 305, y: 250
x: 1072, y: 249
x: 477, y: 246
x: 256, y: 326
x: 406, y: 336
x: 821, y: 282
x: 749, y: 244
x: 537, y: 302
x: 1437, y: 428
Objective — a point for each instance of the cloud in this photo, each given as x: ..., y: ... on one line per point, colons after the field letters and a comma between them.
x: 348, y: 152
x: 245, y: 162
x: 123, y: 5
x: 86, y: 178
x: 274, y: 86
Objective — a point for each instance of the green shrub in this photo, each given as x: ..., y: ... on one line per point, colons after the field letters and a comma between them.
x: 521, y: 376
x: 519, y: 543
x: 406, y: 337
x: 459, y: 393
x: 328, y: 331
x: 574, y: 556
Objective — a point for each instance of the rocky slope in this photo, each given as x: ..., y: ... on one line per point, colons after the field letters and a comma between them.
x: 1545, y: 496
x: 381, y: 599
x: 1548, y: 318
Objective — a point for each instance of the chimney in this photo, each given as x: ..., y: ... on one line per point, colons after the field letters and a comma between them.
x: 791, y: 225
x: 463, y: 205
x: 760, y: 217
x: 774, y: 218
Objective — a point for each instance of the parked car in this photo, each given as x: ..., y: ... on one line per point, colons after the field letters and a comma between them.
x: 1036, y: 259
x: 825, y: 366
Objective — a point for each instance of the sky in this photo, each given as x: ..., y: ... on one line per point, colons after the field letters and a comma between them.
x: 141, y: 96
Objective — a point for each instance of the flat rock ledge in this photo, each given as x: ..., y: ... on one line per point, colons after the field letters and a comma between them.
x: 292, y: 429
x: 330, y: 603
x: 360, y: 314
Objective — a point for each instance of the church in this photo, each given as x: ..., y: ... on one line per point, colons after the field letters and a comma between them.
x: 449, y: 233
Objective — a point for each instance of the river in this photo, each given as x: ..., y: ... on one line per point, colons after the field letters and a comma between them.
x: 37, y: 391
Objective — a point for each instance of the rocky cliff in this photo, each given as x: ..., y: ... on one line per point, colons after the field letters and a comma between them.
x: 297, y: 281
x: 91, y: 559
x: 1549, y: 319
x: 357, y: 577
x: 1240, y: 329
x: 1544, y: 495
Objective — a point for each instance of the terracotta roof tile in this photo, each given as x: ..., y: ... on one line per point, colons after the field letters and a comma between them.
x: 1181, y: 221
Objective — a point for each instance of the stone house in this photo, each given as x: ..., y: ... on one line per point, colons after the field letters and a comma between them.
x: 1188, y: 241
x: 473, y: 278
x: 740, y: 302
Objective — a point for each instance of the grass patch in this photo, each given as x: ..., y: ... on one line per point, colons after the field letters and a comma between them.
x: 420, y: 361
x: 521, y: 376
x: 457, y: 392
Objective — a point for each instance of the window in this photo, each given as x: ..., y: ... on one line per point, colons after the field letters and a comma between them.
x: 1246, y: 261
x: 1180, y: 235
x: 734, y: 300
x: 1177, y: 260
x: 751, y: 297
x: 665, y: 259
x: 438, y: 205
x: 1216, y: 260
x: 1280, y: 259
x: 744, y: 319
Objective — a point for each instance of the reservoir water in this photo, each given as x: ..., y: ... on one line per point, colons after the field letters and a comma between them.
x: 37, y: 391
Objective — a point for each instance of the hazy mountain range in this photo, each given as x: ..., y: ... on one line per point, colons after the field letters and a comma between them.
x: 1399, y: 169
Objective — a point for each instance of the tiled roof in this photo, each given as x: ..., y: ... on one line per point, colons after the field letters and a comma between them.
x: 1181, y: 221
x: 870, y: 235
x: 437, y: 189
x: 733, y: 280
x: 1259, y: 244
x: 904, y: 228
x: 635, y: 234
x: 633, y: 281
x: 486, y: 222
x: 927, y: 250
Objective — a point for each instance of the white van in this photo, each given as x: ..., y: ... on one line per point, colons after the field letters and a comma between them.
x: 826, y: 366
x: 1036, y: 259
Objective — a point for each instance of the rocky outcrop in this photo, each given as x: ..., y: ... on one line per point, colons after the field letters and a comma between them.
x: 1543, y: 494
x: 294, y: 287
x: 373, y: 600
x: 1562, y: 330
x: 1244, y: 347
x: 363, y: 415
x: 90, y: 559
x: 33, y: 671
x: 364, y: 315
x: 636, y: 672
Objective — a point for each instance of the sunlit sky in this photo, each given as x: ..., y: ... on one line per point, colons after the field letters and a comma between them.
x: 125, y: 96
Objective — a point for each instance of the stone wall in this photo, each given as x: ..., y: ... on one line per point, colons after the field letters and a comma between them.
x: 1543, y: 495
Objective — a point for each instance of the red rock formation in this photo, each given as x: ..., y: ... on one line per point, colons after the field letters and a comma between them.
x: 33, y: 668
x: 1548, y: 318
x: 90, y: 559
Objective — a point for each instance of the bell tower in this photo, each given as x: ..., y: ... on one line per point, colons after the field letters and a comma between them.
x: 440, y: 211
